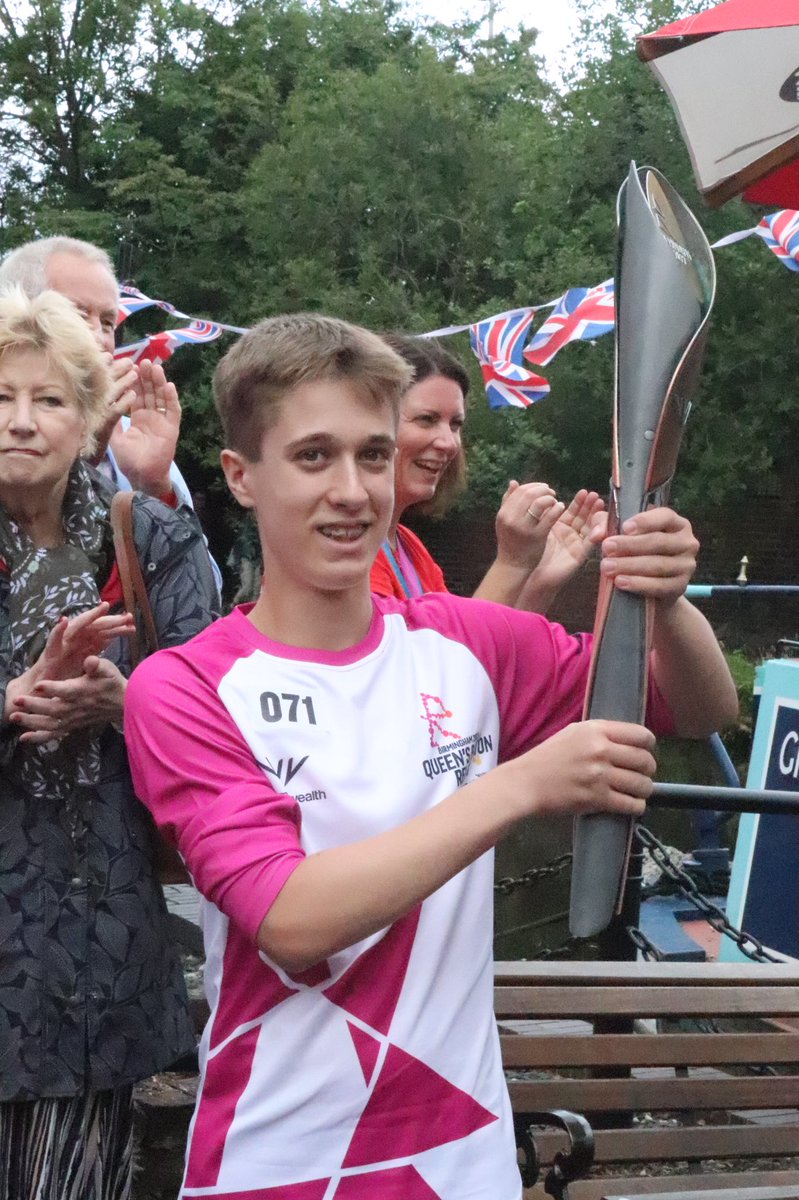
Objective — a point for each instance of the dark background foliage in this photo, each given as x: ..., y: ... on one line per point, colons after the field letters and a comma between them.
x: 255, y: 156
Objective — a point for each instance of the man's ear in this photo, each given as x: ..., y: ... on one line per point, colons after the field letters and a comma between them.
x: 235, y: 467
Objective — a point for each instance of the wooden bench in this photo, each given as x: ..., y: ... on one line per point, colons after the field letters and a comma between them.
x: 720, y: 1069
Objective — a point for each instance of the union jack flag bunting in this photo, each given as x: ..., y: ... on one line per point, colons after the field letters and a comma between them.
x: 498, y: 343
x: 581, y: 314
x: 161, y: 346
x: 197, y: 332
x: 130, y: 295
x: 132, y: 300
x: 128, y: 305
x: 780, y: 232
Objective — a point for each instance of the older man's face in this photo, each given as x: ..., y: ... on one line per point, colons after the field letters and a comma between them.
x: 91, y: 289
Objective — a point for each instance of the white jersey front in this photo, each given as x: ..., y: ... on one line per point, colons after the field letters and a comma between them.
x: 376, y: 1074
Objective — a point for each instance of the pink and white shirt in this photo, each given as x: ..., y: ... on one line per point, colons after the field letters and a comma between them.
x: 377, y: 1073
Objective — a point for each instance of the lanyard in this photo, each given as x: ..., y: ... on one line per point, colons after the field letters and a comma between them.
x: 395, y: 567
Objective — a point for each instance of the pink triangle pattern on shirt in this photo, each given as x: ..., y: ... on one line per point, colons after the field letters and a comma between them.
x: 412, y: 1109
x: 312, y: 1189
x: 370, y: 988
x: 226, y: 1076
x: 249, y: 988
x: 397, y: 1183
x: 367, y: 1048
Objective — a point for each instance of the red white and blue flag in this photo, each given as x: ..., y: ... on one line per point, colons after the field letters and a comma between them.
x: 128, y: 305
x: 780, y: 232
x: 131, y: 301
x: 498, y: 343
x: 158, y: 347
x: 581, y: 314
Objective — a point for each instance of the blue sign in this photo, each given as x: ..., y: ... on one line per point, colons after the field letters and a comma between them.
x: 764, y: 888
x: 783, y: 764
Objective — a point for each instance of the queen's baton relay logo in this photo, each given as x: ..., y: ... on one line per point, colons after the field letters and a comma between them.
x: 435, y: 711
x: 452, y: 751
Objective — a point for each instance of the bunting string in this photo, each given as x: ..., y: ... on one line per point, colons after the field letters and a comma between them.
x: 502, y: 342
x: 513, y: 312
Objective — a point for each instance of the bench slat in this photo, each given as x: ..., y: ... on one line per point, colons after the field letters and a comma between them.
x: 732, y: 1186
x: 684, y: 1142
x: 720, y: 1193
x: 542, y: 974
x: 627, y: 1000
x: 610, y: 1095
x: 647, y: 1050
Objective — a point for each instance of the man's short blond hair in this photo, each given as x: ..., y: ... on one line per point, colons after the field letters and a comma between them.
x: 50, y: 324
x: 282, y: 353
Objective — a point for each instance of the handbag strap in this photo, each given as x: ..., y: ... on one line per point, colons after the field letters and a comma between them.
x: 134, y: 590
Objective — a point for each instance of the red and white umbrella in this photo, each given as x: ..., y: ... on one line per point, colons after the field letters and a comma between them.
x: 732, y: 74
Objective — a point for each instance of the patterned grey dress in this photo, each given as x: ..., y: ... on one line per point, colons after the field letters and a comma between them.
x: 91, y: 990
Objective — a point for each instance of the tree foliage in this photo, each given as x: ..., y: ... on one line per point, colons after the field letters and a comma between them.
x: 246, y: 157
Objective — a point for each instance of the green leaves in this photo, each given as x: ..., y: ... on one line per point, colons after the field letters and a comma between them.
x: 266, y: 155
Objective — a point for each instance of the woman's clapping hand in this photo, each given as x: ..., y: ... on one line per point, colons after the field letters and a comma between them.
x: 58, y: 707
x: 69, y: 686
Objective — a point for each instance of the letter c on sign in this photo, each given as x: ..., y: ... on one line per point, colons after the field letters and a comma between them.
x: 792, y: 766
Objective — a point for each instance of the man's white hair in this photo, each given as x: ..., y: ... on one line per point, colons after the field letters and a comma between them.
x: 26, y: 267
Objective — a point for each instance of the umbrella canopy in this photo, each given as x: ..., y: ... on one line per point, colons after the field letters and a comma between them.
x: 732, y: 74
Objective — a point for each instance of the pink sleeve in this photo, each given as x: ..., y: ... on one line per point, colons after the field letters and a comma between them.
x: 196, y: 774
x: 538, y: 670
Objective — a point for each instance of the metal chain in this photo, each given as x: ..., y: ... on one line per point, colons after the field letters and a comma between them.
x: 564, y: 950
x: 717, y: 881
x: 533, y: 875
x: 683, y: 883
x: 687, y: 887
x: 642, y: 943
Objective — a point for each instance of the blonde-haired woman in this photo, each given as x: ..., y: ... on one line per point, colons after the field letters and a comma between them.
x: 92, y: 991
